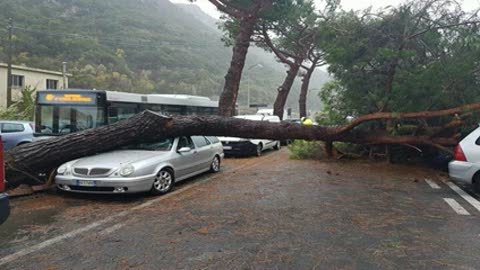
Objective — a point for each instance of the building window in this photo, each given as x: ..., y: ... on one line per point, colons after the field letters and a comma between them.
x: 52, y: 84
x: 18, y: 81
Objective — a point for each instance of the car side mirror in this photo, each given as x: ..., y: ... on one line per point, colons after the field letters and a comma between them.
x: 184, y: 150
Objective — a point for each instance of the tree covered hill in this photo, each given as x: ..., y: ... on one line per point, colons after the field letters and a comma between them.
x: 148, y: 46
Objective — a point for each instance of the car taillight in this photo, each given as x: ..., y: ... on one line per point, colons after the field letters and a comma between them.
x: 2, y: 172
x: 459, y: 155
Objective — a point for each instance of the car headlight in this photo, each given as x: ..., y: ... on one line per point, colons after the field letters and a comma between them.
x: 63, y: 169
x: 126, y: 170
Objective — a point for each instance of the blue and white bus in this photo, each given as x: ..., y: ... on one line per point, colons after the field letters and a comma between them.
x: 59, y: 112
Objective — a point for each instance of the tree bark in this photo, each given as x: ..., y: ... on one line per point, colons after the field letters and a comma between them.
x: 27, y: 160
x: 423, y: 114
x: 329, y: 149
x: 284, y: 89
x: 229, y: 95
x: 302, y: 102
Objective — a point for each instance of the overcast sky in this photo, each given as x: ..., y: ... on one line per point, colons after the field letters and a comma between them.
x: 346, y: 4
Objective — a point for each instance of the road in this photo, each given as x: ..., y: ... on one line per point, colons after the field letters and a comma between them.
x: 258, y: 213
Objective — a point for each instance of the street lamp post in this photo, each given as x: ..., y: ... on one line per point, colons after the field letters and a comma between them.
x: 248, y: 81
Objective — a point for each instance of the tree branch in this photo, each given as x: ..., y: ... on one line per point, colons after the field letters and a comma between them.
x: 225, y: 8
x: 277, y: 52
x: 422, y: 114
x: 441, y: 27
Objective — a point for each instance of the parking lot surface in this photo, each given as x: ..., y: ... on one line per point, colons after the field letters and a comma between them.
x: 258, y: 213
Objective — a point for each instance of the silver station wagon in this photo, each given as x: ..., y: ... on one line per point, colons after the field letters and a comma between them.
x: 153, y: 167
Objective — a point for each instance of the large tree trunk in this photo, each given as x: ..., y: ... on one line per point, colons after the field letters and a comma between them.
x: 284, y: 89
x: 24, y: 161
x: 229, y: 95
x: 302, y: 102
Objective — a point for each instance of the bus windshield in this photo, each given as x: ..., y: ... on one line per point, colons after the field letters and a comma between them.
x: 58, y: 120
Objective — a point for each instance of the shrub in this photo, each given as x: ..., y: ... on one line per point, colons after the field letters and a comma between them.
x: 22, y: 109
x: 301, y: 149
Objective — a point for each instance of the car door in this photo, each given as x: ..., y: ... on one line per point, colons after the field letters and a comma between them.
x: 203, y: 152
x: 272, y: 119
x: 186, y: 160
x: 11, y: 134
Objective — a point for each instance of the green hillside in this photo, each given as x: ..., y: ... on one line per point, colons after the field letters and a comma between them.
x: 148, y: 46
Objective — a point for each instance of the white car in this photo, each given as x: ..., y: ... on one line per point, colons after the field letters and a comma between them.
x: 234, y: 146
x: 465, y: 165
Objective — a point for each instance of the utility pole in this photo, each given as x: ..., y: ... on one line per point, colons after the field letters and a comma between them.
x: 248, y: 81
x: 9, y: 63
x: 64, y: 74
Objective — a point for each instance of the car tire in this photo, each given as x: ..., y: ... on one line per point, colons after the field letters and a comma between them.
x: 163, y: 182
x: 215, y: 166
x: 258, y: 150
x: 277, y: 146
x: 476, y: 182
x: 60, y: 191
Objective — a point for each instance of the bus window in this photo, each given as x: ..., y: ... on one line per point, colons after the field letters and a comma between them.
x: 65, y: 120
x: 119, y: 112
x: 155, y: 108
x: 207, y: 111
x: 45, y: 124
x: 78, y: 118
x: 175, y: 110
x: 112, y: 115
x: 192, y: 110
x: 87, y: 117
x: 126, y: 112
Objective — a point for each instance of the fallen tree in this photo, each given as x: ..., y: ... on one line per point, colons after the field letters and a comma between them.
x: 24, y: 162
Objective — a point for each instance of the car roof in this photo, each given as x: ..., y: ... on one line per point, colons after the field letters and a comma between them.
x: 251, y: 117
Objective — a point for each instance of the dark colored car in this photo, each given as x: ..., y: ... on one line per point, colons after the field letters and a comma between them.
x: 4, y: 203
x: 290, y: 120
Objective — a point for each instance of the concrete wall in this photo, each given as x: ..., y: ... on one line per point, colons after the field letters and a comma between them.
x: 34, y: 78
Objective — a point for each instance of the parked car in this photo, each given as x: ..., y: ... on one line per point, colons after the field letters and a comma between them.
x: 465, y: 165
x: 269, y: 112
x: 16, y: 133
x: 4, y: 203
x: 153, y: 167
x: 293, y: 121
x: 240, y: 146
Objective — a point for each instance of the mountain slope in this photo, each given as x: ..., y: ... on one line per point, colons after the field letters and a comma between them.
x: 131, y: 45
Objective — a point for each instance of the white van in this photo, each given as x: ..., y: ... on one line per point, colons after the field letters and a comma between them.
x: 234, y: 146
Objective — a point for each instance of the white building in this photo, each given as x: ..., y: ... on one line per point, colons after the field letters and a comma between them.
x: 25, y: 76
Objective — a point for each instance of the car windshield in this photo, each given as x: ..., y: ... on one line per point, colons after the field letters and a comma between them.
x: 68, y: 119
x: 164, y: 145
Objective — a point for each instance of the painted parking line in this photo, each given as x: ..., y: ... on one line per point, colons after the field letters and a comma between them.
x: 118, y: 225
x: 465, y: 195
x: 111, y: 229
x: 456, y: 207
x: 432, y: 184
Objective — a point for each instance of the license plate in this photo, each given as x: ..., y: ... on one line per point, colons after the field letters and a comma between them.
x: 85, y: 183
x: 227, y: 148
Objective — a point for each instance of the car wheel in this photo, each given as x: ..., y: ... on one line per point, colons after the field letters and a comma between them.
x: 277, y: 146
x: 163, y: 182
x: 259, y: 150
x: 476, y: 182
x: 60, y: 191
x: 215, y: 166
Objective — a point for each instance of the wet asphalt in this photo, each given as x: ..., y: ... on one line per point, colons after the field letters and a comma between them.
x: 258, y: 213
